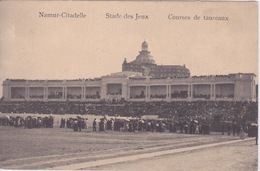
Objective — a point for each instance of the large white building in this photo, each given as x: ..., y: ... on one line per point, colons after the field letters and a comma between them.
x: 132, y: 86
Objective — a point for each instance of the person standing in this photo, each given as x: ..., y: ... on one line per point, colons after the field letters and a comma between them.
x: 94, y: 125
x: 101, y: 125
x: 229, y: 129
x: 79, y: 124
x: 242, y: 132
x: 223, y: 128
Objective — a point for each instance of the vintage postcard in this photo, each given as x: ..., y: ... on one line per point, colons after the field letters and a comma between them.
x: 129, y: 85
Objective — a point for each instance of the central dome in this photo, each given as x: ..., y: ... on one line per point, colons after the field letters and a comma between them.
x: 144, y: 56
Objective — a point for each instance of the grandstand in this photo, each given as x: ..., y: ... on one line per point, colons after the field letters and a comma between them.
x: 132, y: 87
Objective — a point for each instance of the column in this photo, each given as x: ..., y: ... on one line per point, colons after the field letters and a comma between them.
x: 170, y: 92
x: 149, y: 92
x: 82, y: 93
x: 146, y: 93
x: 211, y: 92
x: 191, y: 92
x: 26, y: 93
x: 214, y: 91
x: 167, y: 93
x: 128, y: 92
x: 65, y: 91
x: 46, y: 94
x: 124, y: 91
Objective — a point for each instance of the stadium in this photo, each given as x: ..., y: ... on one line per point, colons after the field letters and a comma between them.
x: 142, y: 88
x: 138, y: 107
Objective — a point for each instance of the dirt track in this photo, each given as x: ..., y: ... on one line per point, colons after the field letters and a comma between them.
x: 166, y: 163
x: 53, y: 148
x: 234, y: 157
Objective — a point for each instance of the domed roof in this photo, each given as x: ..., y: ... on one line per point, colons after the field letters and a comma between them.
x: 144, y: 56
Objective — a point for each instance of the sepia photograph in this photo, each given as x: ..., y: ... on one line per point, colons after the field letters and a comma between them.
x: 129, y: 85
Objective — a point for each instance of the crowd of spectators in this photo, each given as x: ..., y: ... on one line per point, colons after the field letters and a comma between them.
x: 152, y: 125
x: 18, y: 96
x: 141, y: 96
x: 57, y: 95
x: 204, y: 111
x: 156, y: 96
x: 27, y: 122
x: 202, y: 96
x: 225, y: 96
x: 94, y: 96
x: 72, y: 96
x: 180, y: 95
x: 113, y: 93
x: 183, y: 116
x: 210, y: 76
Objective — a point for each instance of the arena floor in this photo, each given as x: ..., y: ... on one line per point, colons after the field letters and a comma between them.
x: 61, y: 148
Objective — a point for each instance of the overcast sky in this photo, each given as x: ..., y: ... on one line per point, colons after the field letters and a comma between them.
x: 63, y: 48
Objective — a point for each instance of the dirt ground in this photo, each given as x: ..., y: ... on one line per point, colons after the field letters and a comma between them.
x: 46, y: 148
x: 235, y: 157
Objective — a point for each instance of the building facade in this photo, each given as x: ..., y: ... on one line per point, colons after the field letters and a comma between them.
x: 145, y: 64
x: 132, y: 86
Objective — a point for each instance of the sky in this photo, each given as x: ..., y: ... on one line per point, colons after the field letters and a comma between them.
x: 33, y: 47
